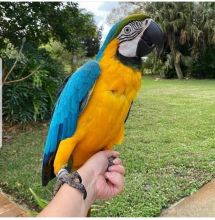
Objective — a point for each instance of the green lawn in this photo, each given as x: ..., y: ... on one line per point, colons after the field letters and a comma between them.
x: 168, y: 151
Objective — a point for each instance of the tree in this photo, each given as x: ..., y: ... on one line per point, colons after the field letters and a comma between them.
x: 32, y: 74
x: 31, y: 98
x: 33, y: 21
x: 92, y: 44
x: 38, y: 21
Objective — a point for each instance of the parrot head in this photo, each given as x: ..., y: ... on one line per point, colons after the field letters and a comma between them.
x: 137, y: 35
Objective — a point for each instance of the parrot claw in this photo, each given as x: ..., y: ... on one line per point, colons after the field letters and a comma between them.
x: 110, y: 161
x: 61, y: 174
x: 72, y: 179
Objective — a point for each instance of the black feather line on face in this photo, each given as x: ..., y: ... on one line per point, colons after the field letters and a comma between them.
x: 136, y: 28
x: 124, y: 38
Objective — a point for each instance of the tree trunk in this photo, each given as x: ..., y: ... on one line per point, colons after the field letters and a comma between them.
x: 176, y: 54
x: 177, y: 60
x: 178, y: 71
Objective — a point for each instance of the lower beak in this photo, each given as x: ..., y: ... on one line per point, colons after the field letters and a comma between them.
x: 152, y: 37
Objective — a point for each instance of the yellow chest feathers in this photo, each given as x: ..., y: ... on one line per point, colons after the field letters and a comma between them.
x: 116, y: 77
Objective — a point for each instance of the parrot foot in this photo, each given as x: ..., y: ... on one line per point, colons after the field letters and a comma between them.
x: 59, y: 183
x: 72, y: 179
x: 110, y: 161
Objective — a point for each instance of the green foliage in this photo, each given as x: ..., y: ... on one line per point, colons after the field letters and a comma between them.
x: 189, y: 29
x: 58, y: 52
x: 154, y: 66
x: 92, y: 43
x: 166, y: 152
x: 38, y: 21
x: 32, y: 98
x: 40, y: 202
x: 71, y: 61
x: 204, y: 67
x: 39, y: 42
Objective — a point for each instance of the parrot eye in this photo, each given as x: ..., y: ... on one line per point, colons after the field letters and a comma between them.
x: 127, y: 30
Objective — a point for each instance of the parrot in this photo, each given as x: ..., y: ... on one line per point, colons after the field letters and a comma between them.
x: 94, y: 102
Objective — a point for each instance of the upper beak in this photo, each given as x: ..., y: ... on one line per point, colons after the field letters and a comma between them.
x: 152, y: 37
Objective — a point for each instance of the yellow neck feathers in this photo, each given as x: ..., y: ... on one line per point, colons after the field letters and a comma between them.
x: 121, y: 77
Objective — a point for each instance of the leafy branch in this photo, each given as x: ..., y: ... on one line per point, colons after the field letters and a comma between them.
x: 14, y: 65
x: 19, y: 80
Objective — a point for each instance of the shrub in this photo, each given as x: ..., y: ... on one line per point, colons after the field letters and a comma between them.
x: 31, y: 99
x: 204, y: 67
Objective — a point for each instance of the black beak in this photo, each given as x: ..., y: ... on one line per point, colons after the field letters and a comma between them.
x: 152, y: 37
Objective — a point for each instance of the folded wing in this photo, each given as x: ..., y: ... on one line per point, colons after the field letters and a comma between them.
x: 73, y: 98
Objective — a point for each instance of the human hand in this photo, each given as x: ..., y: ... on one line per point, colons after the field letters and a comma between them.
x: 100, y: 181
x: 106, y: 182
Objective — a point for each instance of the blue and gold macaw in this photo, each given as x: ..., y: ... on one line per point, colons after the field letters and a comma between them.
x: 92, y: 107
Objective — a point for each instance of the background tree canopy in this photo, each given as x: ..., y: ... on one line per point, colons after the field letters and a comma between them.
x: 40, y: 43
x: 38, y: 21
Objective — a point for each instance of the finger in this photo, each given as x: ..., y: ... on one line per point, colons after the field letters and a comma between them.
x: 117, y: 161
x: 116, y: 179
x: 110, y: 153
x: 117, y: 168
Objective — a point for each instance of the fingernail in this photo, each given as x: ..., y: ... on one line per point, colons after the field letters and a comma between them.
x: 116, y: 161
x: 117, y: 153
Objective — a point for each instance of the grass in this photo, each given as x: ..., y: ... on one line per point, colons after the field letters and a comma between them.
x: 168, y: 150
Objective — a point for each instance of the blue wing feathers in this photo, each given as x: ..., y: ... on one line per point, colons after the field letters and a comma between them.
x: 67, y: 109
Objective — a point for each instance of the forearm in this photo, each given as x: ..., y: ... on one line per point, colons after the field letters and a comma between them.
x: 69, y: 202
x: 100, y: 181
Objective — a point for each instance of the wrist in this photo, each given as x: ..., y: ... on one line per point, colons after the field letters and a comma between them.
x: 89, y: 182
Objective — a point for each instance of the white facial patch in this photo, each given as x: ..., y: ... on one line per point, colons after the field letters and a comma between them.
x: 129, y: 48
x: 130, y: 36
